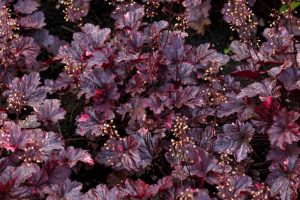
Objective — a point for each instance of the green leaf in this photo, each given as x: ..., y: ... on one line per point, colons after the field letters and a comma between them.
x: 283, y: 8
x: 226, y: 51
x: 294, y: 4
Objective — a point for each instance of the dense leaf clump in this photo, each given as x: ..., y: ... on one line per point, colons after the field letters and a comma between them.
x: 133, y: 110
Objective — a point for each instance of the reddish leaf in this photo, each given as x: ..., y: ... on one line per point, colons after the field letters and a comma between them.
x: 247, y: 74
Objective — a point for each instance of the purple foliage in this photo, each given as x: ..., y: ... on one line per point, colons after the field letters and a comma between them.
x: 157, y: 117
x: 26, y: 6
x: 49, y: 111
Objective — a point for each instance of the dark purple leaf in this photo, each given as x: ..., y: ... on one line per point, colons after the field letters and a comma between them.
x: 234, y: 105
x: 25, y: 48
x: 67, y: 190
x: 141, y: 190
x: 185, y: 74
x: 97, y: 59
x: 102, y: 192
x: 184, y: 192
x: 204, y: 166
x: 235, y: 187
x: 278, y: 40
x: 284, y: 130
x: 15, y: 182
x: 35, y: 20
x: 265, y: 89
x: 60, y: 84
x: 135, y: 109
x: 96, y: 36
x: 157, y: 103
x: 56, y: 172
x: 38, y: 145
x: 290, y: 79
x: 11, y: 136
x: 26, y: 6
x: 240, y: 50
x: 284, y: 178
x: 90, y: 122
x: 278, y: 154
x: 77, y: 9
x: 49, y: 111
x: 71, y: 156
x: 190, y: 96
x: 235, y: 140
x: 100, y: 84
x: 247, y: 74
x: 121, y: 154
x: 161, y: 185
x: 130, y: 18
x: 49, y: 42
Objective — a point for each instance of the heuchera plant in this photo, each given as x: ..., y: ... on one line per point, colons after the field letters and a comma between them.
x: 156, y: 117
